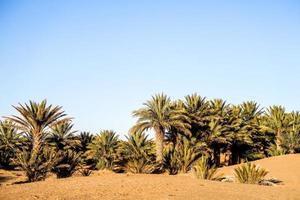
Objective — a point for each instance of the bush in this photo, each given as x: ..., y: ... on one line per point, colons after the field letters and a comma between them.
x: 203, y: 170
x: 85, y: 172
x: 140, y: 166
x: 250, y: 173
x: 171, y: 160
x: 274, y: 150
x: 36, y: 165
x: 68, y: 164
x: 182, y: 156
x: 103, y: 150
x: 138, y: 154
x: 10, y: 143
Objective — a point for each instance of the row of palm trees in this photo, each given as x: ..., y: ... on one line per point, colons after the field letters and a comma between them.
x: 244, y: 131
x: 41, y: 139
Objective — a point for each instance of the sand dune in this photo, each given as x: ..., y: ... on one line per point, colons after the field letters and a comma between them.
x: 127, y: 186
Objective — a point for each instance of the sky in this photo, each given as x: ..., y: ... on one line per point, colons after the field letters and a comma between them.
x: 101, y: 60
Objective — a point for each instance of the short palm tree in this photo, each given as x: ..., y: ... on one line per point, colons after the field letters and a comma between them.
x: 84, y: 138
x: 181, y: 156
x: 250, y: 173
x: 10, y: 142
x: 157, y: 114
x: 35, y: 120
x: 203, y: 170
x: 103, y: 149
x: 67, y: 164
x: 138, y: 151
x: 62, y: 136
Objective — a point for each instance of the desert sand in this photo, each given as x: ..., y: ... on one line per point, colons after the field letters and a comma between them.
x: 108, y: 185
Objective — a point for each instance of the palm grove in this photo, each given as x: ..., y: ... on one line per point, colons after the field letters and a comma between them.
x: 189, y: 134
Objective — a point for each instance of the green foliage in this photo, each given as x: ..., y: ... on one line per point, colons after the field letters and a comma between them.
x: 275, y: 150
x: 250, y: 173
x: 103, y: 149
x: 171, y: 160
x: 290, y: 142
x: 160, y: 115
x: 36, y: 165
x: 138, y: 154
x: 84, y: 139
x: 34, y: 121
x: 67, y: 164
x: 203, y: 170
x: 41, y: 138
x: 85, y: 172
x: 61, y: 136
x: 181, y: 157
x: 10, y: 142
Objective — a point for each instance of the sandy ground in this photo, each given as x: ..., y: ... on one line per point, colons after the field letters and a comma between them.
x: 107, y: 185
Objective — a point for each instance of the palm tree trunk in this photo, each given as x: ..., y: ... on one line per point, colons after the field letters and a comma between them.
x: 278, y: 141
x: 217, y: 156
x: 235, y: 155
x: 36, y: 146
x: 159, y: 140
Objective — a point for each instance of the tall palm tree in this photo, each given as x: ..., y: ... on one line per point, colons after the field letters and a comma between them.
x: 218, y: 108
x: 157, y: 114
x: 276, y: 121
x: 251, y: 115
x: 197, y: 109
x: 291, y: 140
x: 240, y: 139
x: 35, y: 119
x: 217, y: 138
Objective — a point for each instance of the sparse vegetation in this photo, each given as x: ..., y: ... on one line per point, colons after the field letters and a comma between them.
x: 203, y: 170
x: 250, y: 173
x: 85, y: 172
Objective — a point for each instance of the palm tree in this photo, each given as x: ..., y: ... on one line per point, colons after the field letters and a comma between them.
x: 251, y: 115
x: 291, y: 140
x: 240, y: 138
x: 62, y: 136
x: 103, y: 149
x: 34, y: 120
x: 10, y: 142
x: 218, y: 108
x: 217, y: 134
x: 157, y: 114
x: 217, y: 138
x: 197, y: 109
x: 84, y: 138
x: 138, y: 151
x: 276, y: 122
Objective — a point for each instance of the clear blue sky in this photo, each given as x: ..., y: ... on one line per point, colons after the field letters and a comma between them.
x: 102, y: 59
